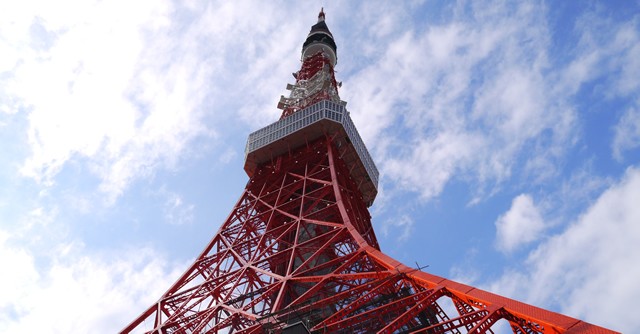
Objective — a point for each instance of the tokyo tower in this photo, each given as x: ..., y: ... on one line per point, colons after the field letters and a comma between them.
x: 298, y: 254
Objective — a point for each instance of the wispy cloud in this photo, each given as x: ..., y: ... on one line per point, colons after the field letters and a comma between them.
x: 592, y: 262
x: 484, y: 97
x: 95, y: 291
x: 607, y: 46
x: 176, y: 210
x: 469, y: 97
x: 98, y: 90
x: 520, y: 225
x: 400, y: 228
x: 627, y: 132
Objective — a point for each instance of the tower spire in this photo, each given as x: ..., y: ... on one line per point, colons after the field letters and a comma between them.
x: 315, y: 81
x: 320, y: 38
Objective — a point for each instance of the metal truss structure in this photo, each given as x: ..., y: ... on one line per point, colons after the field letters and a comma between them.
x: 298, y: 253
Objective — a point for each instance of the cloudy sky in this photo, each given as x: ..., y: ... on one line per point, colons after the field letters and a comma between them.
x: 507, y: 135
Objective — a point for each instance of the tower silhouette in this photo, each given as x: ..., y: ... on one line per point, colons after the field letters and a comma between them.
x: 298, y: 253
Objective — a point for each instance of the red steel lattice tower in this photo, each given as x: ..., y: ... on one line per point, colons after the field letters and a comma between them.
x: 298, y: 253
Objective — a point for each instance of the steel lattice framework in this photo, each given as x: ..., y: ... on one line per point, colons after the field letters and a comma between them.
x: 298, y: 253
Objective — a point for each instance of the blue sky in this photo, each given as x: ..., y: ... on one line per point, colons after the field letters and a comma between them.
x: 507, y: 135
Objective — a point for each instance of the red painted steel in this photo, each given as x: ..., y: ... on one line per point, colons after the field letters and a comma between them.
x: 299, y: 246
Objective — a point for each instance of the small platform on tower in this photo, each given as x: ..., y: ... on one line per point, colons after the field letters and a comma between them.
x: 324, y: 118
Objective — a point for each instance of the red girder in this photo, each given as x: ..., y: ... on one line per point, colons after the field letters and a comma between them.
x: 292, y: 252
x: 373, y: 292
x: 449, y: 325
x: 419, y: 306
x: 370, y: 315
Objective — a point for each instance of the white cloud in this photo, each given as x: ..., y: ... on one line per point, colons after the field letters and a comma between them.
x: 607, y: 50
x: 627, y: 43
x: 176, y: 211
x: 400, y: 227
x: 227, y: 156
x: 20, y: 275
x: 126, y: 88
x: 98, y: 89
x: 490, y: 61
x: 78, y: 293
x: 520, y: 225
x: 627, y: 132
x: 501, y: 62
x: 590, y: 269
x: 438, y: 159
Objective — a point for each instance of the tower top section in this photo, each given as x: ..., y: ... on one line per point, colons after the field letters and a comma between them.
x: 314, y: 110
x: 320, y: 39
